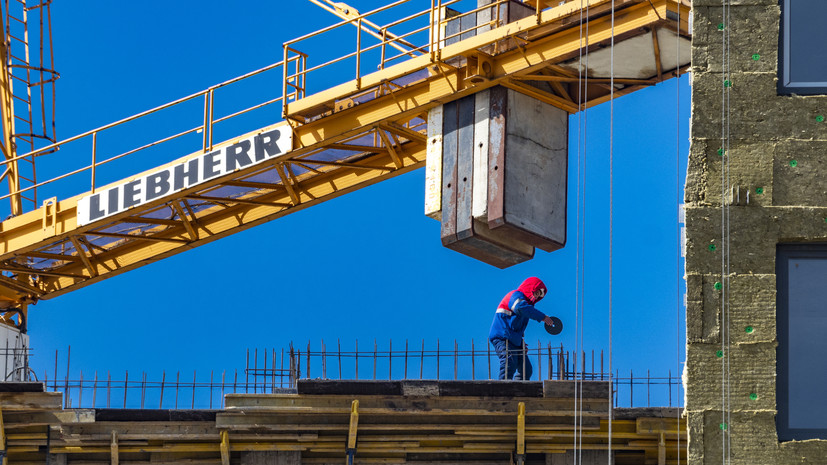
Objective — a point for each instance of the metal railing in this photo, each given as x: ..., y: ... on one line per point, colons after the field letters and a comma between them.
x: 205, y: 125
x: 277, y: 371
x: 425, y: 32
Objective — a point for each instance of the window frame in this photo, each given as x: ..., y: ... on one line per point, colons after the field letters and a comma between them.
x: 785, y: 252
x: 785, y: 85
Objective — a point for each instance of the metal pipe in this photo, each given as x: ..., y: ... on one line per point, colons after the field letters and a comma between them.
x: 94, y: 158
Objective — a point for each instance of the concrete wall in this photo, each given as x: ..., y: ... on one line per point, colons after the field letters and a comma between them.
x: 786, y: 204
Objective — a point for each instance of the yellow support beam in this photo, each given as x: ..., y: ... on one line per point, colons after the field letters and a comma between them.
x: 521, y: 433
x: 225, y: 447
x: 352, y: 430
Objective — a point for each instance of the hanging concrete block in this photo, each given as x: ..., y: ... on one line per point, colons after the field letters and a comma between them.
x: 528, y: 163
x: 459, y: 230
x: 501, y: 161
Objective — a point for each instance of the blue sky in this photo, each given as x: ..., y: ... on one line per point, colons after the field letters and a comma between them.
x: 368, y: 265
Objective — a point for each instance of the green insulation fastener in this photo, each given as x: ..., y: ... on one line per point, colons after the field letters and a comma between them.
x: 793, y: 163
x: 820, y: 118
x: 756, y: 57
x: 718, y: 286
x: 749, y: 329
x: 727, y: 83
x: 721, y: 26
x: 720, y: 152
x: 711, y: 247
x: 723, y: 426
x: 719, y: 354
x: 759, y: 190
x: 753, y: 396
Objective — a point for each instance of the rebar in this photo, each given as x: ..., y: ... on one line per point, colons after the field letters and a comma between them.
x: 202, y: 393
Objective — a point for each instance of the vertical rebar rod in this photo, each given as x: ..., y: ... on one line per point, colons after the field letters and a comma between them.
x: 223, y: 373
x: 539, y: 361
x: 357, y: 358
x: 54, y: 387
x: 163, y: 380
x: 324, y: 361
x: 339, y: 351
x: 456, y: 358
x: 550, y: 367
x: 648, y: 384
x: 488, y: 357
x: 281, y: 378
x: 406, y: 360
x: 507, y: 356
x: 177, y: 384
x: 108, y: 387
x: 273, y: 378
x: 255, y: 371
x: 80, y: 390
x: 66, y: 388
x: 307, y: 376
x: 473, y: 376
x: 669, y: 383
x: 247, y: 372
x: 422, y: 359
x: 125, y: 387
x: 390, y: 358
x: 95, y: 390
x: 524, y: 348
x: 143, y: 389
x: 631, y: 389
x: 192, y: 406
x: 235, y: 378
x: 374, y: 359
x: 437, y: 358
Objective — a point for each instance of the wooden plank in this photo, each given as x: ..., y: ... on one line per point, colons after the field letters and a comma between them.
x: 252, y: 402
x: 598, y: 390
x: 26, y: 418
x: 30, y: 401
x: 656, y: 426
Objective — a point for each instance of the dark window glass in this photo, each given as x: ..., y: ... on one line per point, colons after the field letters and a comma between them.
x: 802, y: 341
x: 803, y: 51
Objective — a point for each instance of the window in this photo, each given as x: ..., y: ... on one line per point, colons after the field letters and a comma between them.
x: 802, y: 54
x: 802, y: 341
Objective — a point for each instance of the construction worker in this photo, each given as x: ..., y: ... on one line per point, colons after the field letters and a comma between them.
x: 510, y: 321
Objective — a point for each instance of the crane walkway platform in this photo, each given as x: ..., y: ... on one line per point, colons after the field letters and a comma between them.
x: 335, y: 141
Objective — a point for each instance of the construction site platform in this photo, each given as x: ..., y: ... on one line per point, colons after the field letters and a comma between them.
x: 325, y: 421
